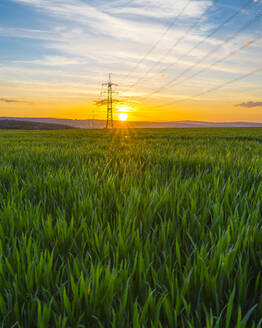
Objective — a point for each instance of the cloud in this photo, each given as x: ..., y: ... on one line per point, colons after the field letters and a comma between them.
x: 104, y: 20
x: 53, y: 61
x: 104, y: 102
x: 250, y: 104
x: 159, y: 8
x: 10, y: 101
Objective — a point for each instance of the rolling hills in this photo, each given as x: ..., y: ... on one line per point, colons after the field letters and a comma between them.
x: 100, y: 124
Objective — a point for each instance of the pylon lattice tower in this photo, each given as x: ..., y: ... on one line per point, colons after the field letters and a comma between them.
x: 109, y: 92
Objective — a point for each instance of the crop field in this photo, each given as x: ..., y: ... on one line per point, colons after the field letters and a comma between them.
x: 131, y: 228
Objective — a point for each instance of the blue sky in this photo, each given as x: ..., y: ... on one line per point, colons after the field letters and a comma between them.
x: 55, y: 54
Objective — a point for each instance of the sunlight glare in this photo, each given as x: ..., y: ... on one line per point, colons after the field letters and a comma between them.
x: 122, y: 116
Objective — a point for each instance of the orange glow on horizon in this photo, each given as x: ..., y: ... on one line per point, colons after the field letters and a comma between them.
x: 208, y: 109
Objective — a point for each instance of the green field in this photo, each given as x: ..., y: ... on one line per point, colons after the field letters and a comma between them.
x: 139, y: 228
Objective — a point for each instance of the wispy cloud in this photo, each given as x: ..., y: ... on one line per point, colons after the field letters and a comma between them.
x: 54, y: 61
x: 159, y: 9
x: 250, y: 104
x: 104, y: 102
x: 117, y: 20
x: 10, y: 101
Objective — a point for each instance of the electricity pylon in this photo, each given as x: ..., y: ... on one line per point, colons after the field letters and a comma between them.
x: 109, y: 92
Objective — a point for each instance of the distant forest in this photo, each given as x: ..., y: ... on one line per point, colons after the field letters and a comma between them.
x: 25, y: 125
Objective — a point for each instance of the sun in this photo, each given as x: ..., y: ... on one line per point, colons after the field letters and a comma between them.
x: 122, y: 116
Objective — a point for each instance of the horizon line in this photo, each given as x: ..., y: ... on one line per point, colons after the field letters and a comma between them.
x: 101, y: 120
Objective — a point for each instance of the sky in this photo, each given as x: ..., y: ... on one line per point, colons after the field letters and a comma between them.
x: 172, y: 59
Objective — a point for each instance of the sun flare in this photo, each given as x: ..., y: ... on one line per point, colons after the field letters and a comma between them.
x: 122, y: 116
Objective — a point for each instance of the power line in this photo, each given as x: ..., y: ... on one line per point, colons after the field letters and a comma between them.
x: 257, y: 70
x: 245, y: 26
x: 243, y: 46
x: 168, y: 28
x: 191, y: 27
x: 228, y: 20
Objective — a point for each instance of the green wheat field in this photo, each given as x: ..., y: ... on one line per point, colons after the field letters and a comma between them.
x: 131, y: 228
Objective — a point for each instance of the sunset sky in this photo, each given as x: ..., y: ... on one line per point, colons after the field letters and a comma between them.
x: 166, y: 55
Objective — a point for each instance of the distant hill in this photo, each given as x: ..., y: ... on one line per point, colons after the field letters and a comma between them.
x: 56, y: 123
x: 27, y: 125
